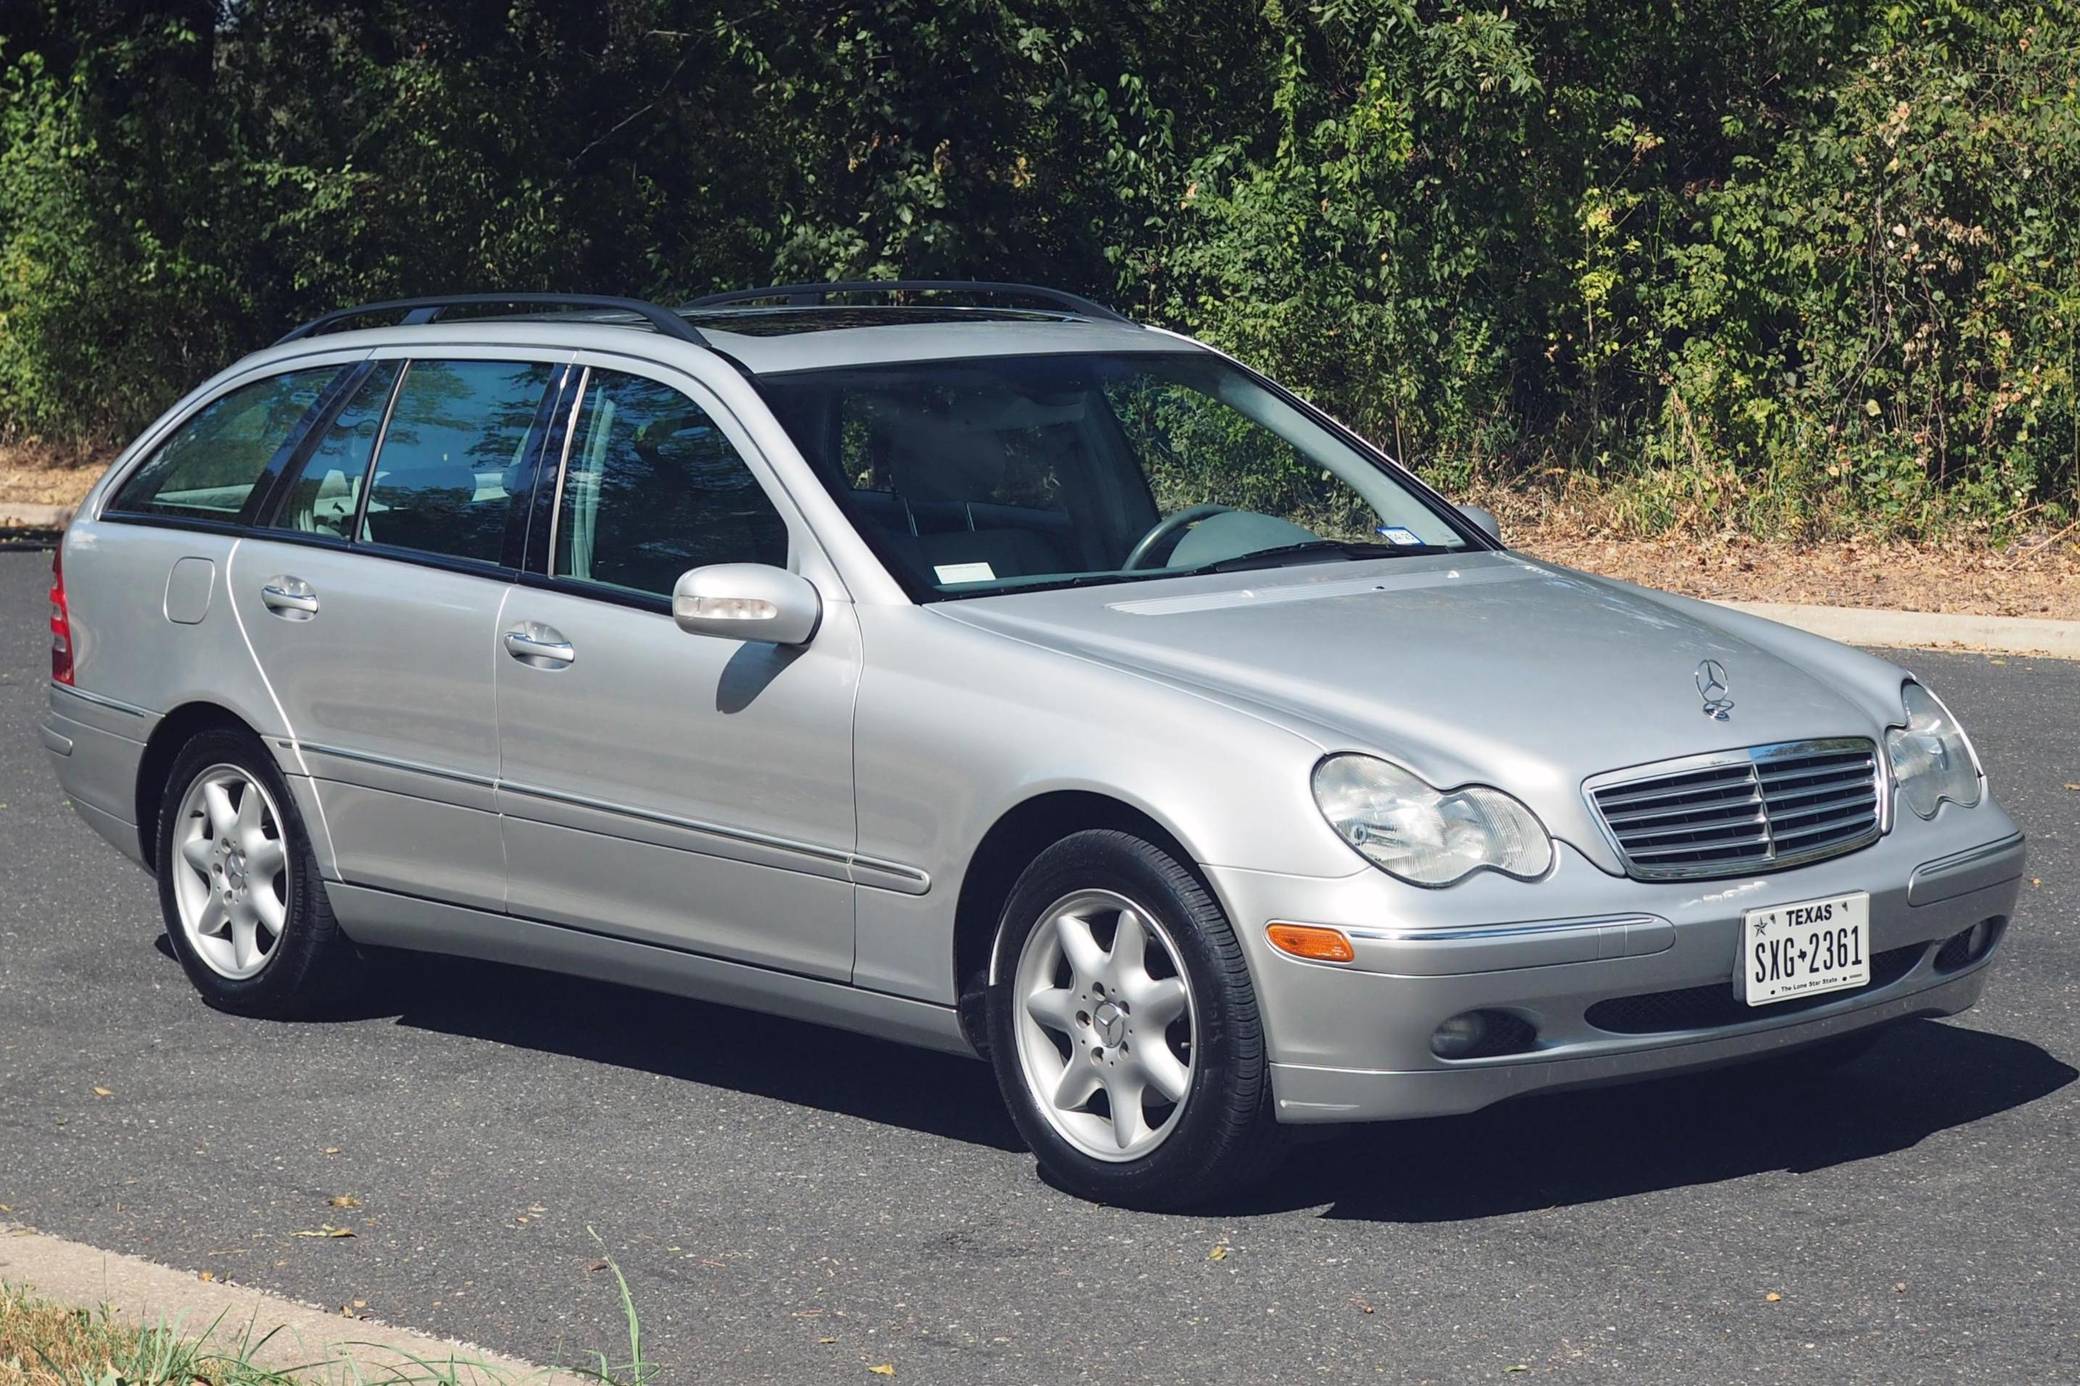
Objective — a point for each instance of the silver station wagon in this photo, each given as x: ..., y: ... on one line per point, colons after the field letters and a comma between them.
x: 967, y: 665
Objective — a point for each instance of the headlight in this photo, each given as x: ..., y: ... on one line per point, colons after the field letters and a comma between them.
x: 1931, y: 759
x: 1428, y: 836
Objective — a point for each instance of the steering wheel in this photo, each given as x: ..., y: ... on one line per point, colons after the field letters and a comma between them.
x: 1170, y: 524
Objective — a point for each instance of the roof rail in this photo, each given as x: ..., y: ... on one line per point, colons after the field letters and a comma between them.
x: 424, y: 310
x: 816, y: 294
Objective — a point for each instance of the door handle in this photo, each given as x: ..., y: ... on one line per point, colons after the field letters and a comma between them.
x: 539, y: 646
x: 290, y: 598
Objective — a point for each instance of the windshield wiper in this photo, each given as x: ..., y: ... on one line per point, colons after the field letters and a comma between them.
x: 1312, y: 551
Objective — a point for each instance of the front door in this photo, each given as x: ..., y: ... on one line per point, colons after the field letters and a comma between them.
x: 677, y: 789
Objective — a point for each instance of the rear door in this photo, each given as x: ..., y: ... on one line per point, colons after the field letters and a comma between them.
x: 678, y: 789
x: 372, y: 602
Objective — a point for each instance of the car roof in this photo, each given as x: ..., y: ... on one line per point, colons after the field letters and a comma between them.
x: 760, y: 339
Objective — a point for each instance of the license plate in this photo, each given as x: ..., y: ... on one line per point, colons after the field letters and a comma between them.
x: 1805, y: 948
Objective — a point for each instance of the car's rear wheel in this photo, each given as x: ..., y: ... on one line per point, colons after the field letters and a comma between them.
x: 239, y: 888
x: 1124, y: 1028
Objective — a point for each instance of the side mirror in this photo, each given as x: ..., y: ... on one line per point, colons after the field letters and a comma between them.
x: 747, y: 601
x: 1483, y: 520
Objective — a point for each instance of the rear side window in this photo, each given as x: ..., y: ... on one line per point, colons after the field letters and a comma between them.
x: 208, y: 469
x: 326, y: 494
x: 652, y: 488
x: 453, y: 455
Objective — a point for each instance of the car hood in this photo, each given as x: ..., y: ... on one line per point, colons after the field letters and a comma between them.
x: 1475, y: 668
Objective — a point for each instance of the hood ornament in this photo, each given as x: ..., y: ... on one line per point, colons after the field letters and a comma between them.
x: 1711, y: 686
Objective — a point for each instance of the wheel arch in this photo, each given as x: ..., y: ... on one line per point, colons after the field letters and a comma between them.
x: 175, y: 730
x: 1018, y: 836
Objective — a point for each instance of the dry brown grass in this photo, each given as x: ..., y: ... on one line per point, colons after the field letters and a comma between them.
x: 35, y: 474
x: 50, y: 1345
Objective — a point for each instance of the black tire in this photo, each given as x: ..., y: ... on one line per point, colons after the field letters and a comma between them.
x: 312, y: 967
x: 1226, y: 1136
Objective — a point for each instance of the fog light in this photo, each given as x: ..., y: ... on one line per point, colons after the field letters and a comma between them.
x: 1483, y: 1035
x: 1460, y: 1036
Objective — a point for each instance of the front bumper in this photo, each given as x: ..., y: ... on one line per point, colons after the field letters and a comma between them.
x: 1352, y: 1042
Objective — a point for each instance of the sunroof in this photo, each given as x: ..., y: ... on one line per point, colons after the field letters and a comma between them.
x: 786, y: 322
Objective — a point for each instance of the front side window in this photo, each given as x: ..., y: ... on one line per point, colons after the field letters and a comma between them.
x: 207, y: 470
x: 652, y: 488
x: 1009, y: 473
x: 454, y: 451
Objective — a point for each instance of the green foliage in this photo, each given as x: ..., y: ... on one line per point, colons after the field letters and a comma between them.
x: 1805, y: 266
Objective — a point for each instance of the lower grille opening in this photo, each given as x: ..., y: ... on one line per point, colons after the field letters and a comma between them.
x: 1709, y: 1007
x: 1965, y: 948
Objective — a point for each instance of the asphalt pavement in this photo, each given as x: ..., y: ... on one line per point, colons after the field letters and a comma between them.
x: 792, y: 1204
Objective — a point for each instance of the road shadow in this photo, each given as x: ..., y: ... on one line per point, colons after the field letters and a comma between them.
x: 1588, y: 1146
x: 1923, y: 1077
x: 720, y: 1046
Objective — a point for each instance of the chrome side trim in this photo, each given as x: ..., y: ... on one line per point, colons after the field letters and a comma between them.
x: 389, y: 763
x: 1529, y: 930
x: 100, y: 700
x: 896, y: 876
x: 874, y: 872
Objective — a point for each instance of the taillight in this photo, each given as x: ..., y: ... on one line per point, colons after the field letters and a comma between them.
x: 61, y: 621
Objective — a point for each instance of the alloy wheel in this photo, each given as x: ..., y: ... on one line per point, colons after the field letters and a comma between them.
x: 1106, y: 1025
x: 231, y: 872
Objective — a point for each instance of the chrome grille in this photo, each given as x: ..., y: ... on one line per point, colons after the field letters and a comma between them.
x: 1732, y: 812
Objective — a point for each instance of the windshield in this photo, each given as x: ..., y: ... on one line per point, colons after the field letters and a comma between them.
x: 1018, y: 472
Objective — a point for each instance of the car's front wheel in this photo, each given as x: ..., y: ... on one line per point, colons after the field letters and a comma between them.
x: 239, y: 886
x: 1124, y: 1028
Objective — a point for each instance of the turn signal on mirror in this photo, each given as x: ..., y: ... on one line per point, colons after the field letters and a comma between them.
x: 1311, y: 941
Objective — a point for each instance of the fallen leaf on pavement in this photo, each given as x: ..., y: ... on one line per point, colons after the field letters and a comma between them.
x: 103, y: 1092
x: 344, y: 1201
x: 1772, y: 1297
x: 205, y: 1275
x: 326, y: 1230
x: 2073, y: 786
x: 595, y: 1265
x: 885, y: 1369
x: 826, y: 1340
x: 1219, y: 1253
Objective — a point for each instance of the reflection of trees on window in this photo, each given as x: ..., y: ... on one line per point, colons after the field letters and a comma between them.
x: 1196, y: 449
x: 211, y: 465
x: 453, y: 422
x: 474, y: 414
x: 653, y: 488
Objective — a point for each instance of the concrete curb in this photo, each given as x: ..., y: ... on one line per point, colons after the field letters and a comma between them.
x: 2017, y: 635
x: 303, y: 1336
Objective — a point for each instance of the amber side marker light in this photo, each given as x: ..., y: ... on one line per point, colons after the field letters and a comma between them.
x: 1311, y: 941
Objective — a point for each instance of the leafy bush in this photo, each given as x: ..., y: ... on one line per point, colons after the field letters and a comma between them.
x: 1802, y: 266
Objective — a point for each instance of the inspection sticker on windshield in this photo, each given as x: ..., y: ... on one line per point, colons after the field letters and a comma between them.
x: 1804, y: 949
x: 964, y: 572
x: 1398, y: 534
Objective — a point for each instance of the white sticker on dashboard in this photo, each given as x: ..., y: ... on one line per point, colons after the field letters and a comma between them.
x: 964, y: 572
